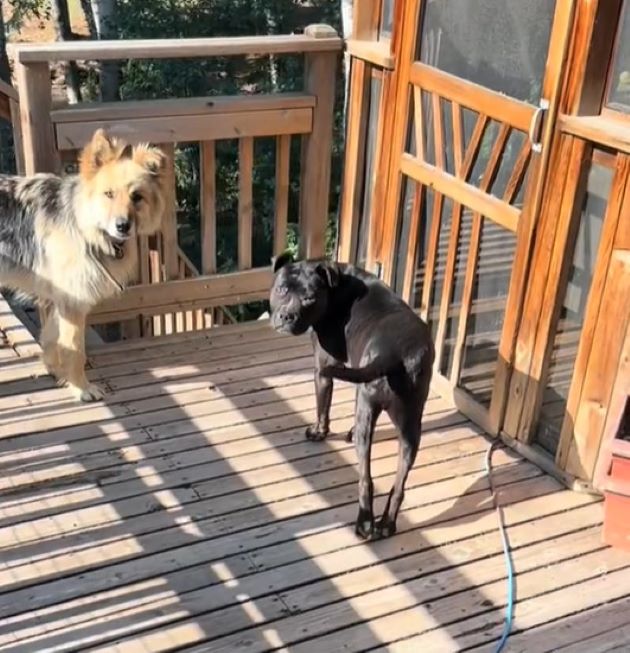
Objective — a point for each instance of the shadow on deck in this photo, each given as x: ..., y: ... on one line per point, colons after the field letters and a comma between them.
x: 188, y: 512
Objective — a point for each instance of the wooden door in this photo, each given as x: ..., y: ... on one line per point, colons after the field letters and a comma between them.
x: 477, y: 92
x: 569, y: 381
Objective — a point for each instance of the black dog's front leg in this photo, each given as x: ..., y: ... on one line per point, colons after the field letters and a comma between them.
x: 323, y: 395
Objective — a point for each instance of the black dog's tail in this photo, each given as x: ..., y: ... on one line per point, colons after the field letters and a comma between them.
x: 376, y: 369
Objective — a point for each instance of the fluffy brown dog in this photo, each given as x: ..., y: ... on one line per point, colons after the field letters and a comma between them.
x: 69, y: 242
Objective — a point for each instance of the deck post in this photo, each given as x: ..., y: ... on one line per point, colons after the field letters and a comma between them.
x: 40, y: 153
x: 319, y: 80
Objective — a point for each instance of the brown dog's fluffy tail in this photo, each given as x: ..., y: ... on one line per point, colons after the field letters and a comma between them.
x: 377, y: 369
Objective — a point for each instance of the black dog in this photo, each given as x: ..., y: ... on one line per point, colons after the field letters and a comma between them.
x: 357, y: 319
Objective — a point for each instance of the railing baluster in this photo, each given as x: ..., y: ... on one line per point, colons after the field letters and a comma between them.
x: 283, y: 154
x: 245, y: 175
x: 319, y: 79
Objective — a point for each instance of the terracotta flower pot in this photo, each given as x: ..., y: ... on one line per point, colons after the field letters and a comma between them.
x: 616, y: 530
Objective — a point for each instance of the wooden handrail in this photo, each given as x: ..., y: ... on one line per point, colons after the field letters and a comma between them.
x: 171, y: 295
x: 8, y: 91
x: 175, y: 48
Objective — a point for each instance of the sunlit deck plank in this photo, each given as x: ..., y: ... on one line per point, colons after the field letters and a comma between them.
x: 189, y: 511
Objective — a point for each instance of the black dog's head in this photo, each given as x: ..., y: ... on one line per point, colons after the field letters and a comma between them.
x: 299, y: 294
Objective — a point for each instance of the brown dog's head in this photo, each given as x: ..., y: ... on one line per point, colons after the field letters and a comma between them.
x: 122, y: 189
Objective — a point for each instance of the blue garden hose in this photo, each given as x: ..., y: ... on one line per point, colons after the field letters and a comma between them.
x: 509, y: 609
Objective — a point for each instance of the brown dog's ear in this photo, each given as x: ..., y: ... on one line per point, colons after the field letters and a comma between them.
x: 329, y: 273
x: 99, y: 151
x: 127, y: 152
x: 152, y: 159
x: 280, y: 261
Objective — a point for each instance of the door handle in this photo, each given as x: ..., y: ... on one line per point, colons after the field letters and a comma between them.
x: 536, y: 124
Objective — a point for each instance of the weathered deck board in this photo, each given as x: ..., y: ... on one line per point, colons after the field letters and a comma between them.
x: 188, y: 512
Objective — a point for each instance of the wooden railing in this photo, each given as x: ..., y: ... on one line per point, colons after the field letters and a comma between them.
x: 10, y: 111
x: 172, y: 294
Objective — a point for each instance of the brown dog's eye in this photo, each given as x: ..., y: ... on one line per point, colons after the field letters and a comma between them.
x: 109, y: 194
x: 136, y: 197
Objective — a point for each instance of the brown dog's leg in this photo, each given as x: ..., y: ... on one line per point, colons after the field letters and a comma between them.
x: 364, y: 421
x: 49, y: 336
x: 72, y: 353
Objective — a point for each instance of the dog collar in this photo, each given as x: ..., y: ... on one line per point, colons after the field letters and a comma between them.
x: 118, y: 254
x: 119, y: 250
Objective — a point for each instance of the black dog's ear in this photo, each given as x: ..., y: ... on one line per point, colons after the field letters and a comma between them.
x: 280, y: 261
x: 329, y: 273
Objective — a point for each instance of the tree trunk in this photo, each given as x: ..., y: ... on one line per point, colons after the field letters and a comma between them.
x: 7, y: 145
x: 105, y: 20
x: 89, y: 18
x: 5, y: 68
x: 63, y: 32
x: 346, y: 25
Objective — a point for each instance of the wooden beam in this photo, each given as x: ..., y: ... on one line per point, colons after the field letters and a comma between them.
x: 588, y: 424
x: 37, y: 131
x: 365, y: 19
x: 491, y: 103
x: 354, y: 161
x: 281, y: 204
x: 245, y: 201
x: 180, y: 295
x: 18, y: 143
x: 169, y: 223
x: 539, y: 169
x: 170, y: 129
x: 461, y: 192
x: 613, y: 134
x: 192, y: 106
x: 566, y: 163
x: 164, y: 312
x: 207, y: 205
x: 377, y: 53
x: 176, y: 48
x: 319, y: 76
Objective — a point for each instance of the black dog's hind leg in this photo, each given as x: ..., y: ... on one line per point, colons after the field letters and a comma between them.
x: 365, y: 419
x: 406, y: 415
x: 350, y: 433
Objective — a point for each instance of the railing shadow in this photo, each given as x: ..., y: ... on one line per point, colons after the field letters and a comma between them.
x: 213, y: 521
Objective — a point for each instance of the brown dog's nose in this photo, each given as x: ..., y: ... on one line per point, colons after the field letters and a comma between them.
x: 123, y: 226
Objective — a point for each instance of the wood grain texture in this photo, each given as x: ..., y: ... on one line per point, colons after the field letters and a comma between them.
x: 281, y: 203
x: 245, y: 202
x: 202, y: 127
x: 354, y: 160
x: 175, y: 48
x: 186, y: 510
x: 207, y: 205
x: 40, y: 154
x: 319, y: 80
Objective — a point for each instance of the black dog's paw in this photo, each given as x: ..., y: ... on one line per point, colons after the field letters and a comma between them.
x: 315, y: 433
x: 385, y: 527
x: 364, y: 526
x: 350, y: 435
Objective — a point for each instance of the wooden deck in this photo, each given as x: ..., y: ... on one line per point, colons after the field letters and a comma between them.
x: 189, y: 513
